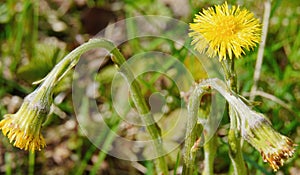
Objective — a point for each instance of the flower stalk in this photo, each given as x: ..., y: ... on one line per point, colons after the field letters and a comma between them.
x: 210, y: 149
x: 210, y: 144
x: 192, y: 130
x: 254, y: 127
x: 234, y: 139
x: 56, y: 75
x: 226, y: 32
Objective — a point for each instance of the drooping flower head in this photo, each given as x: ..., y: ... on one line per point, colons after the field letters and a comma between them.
x: 23, y: 128
x: 273, y: 147
x: 225, y: 32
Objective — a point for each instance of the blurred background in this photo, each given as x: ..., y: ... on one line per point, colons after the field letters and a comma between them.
x: 35, y: 35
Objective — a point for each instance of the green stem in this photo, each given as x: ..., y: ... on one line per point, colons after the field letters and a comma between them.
x: 31, y: 162
x: 234, y: 139
x: 210, y: 138
x: 235, y: 146
x: 210, y: 149
x: 71, y: 60
x: 192, y: 130
x: 236, y: 106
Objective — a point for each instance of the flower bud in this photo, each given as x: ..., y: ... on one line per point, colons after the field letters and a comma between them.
x: 23, y: 128
x: 274, y: 147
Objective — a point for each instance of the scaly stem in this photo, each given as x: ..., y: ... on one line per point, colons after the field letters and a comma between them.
x: 71, y: 60
x: 210, y: 149
x: 234, y: 139
x: 235, y: 146
x: 192, y: 130
x: 210, y: 137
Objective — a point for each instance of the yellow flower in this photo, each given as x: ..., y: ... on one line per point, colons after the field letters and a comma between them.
x: 274, y: 147
x: 23, y: 128
x: 225, y: 32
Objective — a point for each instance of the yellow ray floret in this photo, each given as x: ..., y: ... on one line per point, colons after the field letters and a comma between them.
x: 225, y: 32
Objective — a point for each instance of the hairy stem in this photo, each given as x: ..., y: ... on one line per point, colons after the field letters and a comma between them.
x: 192, y: 130
x: 71, y: 60
x: 210, y: 149
x: 238, y: 107
x: 234, y: 139
x: 210, y: 138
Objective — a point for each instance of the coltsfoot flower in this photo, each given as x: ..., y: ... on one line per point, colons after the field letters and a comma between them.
x: 225, y: 31
x: 274, y: 147
x: 23, y: 128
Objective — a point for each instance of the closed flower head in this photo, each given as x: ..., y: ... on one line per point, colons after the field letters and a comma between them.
x: 274, y: 147
x: 225, y: 31
x: 23, y: 128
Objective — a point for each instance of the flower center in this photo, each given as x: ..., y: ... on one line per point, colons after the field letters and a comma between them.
x: 226, y: 26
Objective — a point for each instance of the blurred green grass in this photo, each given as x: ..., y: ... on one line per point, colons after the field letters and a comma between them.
x: 26, y: 27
